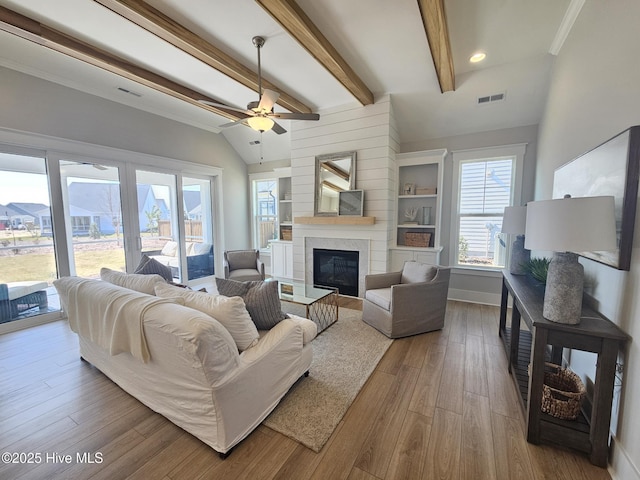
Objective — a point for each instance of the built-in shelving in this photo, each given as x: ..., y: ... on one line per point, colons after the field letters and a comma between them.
x: 419, y: 187
x: 285, y: 208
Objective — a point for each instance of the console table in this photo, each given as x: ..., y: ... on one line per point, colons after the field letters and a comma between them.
x: 590, y: 432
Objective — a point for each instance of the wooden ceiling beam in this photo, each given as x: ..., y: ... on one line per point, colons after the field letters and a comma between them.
x: 293, y: 19
x: 336, y: 170
x: 162, y: 26
x: 32, y: 30
x: 434, y: 20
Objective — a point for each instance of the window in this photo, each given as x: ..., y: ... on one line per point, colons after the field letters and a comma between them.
x: 485, y: 182
x: 265, y: 211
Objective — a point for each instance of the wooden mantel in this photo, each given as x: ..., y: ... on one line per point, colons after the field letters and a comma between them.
x: 335, y: 220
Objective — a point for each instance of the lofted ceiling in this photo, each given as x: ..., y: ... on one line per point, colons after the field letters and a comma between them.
x: 377, y: 47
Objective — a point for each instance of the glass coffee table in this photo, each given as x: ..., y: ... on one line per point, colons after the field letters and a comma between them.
x: 321, y: 303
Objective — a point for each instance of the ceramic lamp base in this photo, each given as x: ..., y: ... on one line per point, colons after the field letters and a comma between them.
x: 519, y: 257
x: 563, y: 293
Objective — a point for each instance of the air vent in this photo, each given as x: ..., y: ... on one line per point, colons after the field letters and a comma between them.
x: 496, y: 97
x: 124, y: 90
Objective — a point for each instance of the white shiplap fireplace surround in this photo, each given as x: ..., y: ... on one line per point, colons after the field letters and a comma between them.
x: 369, y: 132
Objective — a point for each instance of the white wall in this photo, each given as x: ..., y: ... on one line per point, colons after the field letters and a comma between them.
x: 30, y: 104
x: 594, y: 95
x: 369, y: 131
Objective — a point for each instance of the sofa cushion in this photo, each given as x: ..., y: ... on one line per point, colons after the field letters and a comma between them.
x: 380, y: 297
x: 133, y: 281
x: 261, y: 299
x: 241, y: 259
x: 229, y: 311
x: 414, y: 272
x: 149, y: 266
x: 170, y: 249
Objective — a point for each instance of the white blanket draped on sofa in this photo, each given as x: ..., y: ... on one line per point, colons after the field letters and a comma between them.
x: 119, y: 327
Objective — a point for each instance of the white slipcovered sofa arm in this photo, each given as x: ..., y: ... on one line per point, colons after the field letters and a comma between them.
x: 288, y: 334
x: 309, y: 328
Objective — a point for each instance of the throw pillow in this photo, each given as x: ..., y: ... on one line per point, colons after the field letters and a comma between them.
x: 149, y: 266
x: 170, y: 249
x: 229, y: 311
x: 261, y: 299
x: 201, y: 248
x: 414, y: 272
x: 132, y: 281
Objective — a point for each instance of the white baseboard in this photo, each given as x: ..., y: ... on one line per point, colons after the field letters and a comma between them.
x: 474, y: 297
x: 621, y: 466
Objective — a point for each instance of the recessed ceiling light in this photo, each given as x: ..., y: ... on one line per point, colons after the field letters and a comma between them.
x: 477, y: 57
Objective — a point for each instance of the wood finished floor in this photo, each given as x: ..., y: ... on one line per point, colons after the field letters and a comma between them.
x: 438, y: 406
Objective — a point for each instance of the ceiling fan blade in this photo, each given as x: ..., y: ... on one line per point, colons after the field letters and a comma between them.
x: 268, y: 100
x: 226, y: 107
x: 242, y: 121
x: 295, y: 116
x: 278, y: 128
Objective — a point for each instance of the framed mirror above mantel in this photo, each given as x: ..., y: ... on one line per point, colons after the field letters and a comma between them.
x: 335, y: 173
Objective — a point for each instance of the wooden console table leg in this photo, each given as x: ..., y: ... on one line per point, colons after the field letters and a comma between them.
x: 602, y: 399
x: 536, y: 380
x: 515, y: 336
x: 503, y: 308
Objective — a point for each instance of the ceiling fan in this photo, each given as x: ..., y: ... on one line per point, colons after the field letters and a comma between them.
x: 260, y: 113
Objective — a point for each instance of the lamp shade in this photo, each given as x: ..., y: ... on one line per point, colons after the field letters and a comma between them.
x: 514, y: 220
x: 581, y: 224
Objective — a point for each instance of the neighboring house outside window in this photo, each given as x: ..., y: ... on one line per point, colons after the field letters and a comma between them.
x: 265, y: 211
x: 485, y: 182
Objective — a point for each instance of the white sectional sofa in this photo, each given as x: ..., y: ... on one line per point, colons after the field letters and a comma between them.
x: 183, y: 363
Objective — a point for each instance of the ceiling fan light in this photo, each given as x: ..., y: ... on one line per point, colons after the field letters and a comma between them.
x: 261, y: 124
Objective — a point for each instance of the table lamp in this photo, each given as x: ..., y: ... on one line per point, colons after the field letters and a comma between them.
x: 566, y: 225
x: 514, y: 222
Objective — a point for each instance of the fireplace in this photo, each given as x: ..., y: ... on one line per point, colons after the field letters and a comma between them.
x: 337, y: 268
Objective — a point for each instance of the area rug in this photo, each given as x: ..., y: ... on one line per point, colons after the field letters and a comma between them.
x: 344, y: 355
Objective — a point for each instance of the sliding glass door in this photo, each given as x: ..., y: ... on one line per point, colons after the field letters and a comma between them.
x: 160, y: 236
x: 27, y: 253
x: 198, y: 227
x: 93, y: 217
x: 181, y: 239
x: 72, y: 214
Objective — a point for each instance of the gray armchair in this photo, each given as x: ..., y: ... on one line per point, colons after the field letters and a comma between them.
x: 413, y: 301
x: 243, y: 265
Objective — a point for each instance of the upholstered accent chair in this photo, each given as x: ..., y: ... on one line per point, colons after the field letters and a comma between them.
x: 243, y: 265
x: 413, y: 301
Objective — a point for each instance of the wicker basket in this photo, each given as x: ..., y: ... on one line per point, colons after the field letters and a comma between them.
x: 285, y: 234
x: 417, y: 239
x: 562, y: 393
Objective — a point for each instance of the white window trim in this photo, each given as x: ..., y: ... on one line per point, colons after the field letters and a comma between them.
x: 460, y: 156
